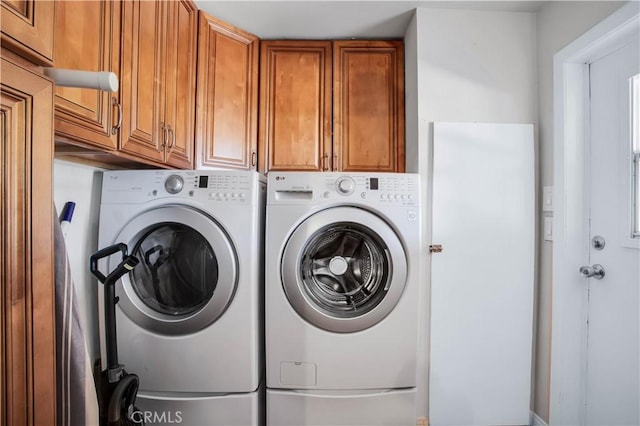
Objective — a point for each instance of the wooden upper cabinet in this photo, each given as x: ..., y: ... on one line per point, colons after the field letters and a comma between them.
x: 227, y: 96
x: 332, y: 106
x: 141, y: 79
x: 295, y: 105
x: 158, y: 80
x: 27, y: 338
x: 368, y: 106
x: 87, y: 37
x: 27, y: 29
x: 180, y: 83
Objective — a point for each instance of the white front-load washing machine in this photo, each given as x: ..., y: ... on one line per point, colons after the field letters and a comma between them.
x: 189, y: 316
x: 342, y: 298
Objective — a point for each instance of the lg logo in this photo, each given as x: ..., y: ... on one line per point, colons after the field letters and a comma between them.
x: 279, y: 177
x: 151, y: 417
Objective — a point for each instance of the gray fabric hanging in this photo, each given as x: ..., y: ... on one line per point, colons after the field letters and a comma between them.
x: 76, y: 394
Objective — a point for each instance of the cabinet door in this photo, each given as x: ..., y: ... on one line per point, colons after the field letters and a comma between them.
x: 87, y: 37
x: 180, y: 82
x: 27, y: 338
x: 227, y: 96
x: 368, y: 106
x: 27, y: 29
x: 295, y: 105
x: 142, y: 74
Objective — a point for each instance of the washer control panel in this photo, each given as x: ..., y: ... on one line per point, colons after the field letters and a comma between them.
x: 130, y: 186
x: 400, y: 189
x: 223, y: 187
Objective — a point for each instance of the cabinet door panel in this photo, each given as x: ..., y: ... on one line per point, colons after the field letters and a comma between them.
x: 368, y: 106
x: 87, y: 38
x: 227, y: 97
x: 180, y: 83
x: 295, y: 125
x: 141, y: 79
x: 27, y: 338
x: 14, y: 310
x: 27, y: 29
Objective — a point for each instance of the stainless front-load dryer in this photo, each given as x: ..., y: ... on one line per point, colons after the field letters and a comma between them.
x: 189, y: 316
x: 342, y: 298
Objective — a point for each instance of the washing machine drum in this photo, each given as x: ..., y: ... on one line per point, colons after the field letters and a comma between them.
x: 178, y: 271
x: 187, y: 273
x: 344, y: 269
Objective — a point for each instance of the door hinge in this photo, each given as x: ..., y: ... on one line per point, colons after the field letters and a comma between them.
x: 435, y: 248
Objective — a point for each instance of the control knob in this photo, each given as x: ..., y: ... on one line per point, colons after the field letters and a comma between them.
x: 174, y: 184
x: 345, y: 185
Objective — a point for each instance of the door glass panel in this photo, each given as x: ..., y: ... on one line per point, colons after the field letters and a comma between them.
x: 345, y: 269
x: 178, y: 269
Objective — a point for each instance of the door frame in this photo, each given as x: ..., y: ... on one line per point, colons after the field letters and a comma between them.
x: 567, y: 396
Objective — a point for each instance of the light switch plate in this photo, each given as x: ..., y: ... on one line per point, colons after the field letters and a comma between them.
x: 547, y: 198
x: 548, y: 228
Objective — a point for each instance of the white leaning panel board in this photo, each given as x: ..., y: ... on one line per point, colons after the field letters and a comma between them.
x: 482, y: 283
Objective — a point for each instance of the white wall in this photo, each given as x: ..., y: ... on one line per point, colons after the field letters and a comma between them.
x: 558, y: 24
x: 82, y: 185
x: 489, y: 66
x: 473, y: 66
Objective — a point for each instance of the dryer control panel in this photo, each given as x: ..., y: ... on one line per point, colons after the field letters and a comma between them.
x: 401, y: 189
x: 223, y: 187
x: 133, y: 186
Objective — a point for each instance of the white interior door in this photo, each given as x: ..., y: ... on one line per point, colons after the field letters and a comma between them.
x: 482, y: 282
x: 613, y: 356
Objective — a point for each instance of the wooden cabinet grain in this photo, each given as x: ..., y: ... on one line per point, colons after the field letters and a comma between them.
x: 227, y: 96
x: 27, y: 29
x: 158, y: 80
x: 87, y: 37
x: 332, y: 106
x: 368, y: 106
x: 27, y: 338
x: 295, y: 105
x: 180, y: 82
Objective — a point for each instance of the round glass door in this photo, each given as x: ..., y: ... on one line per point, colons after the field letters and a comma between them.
x: 344, y: 269
x: 187, y: 272
x: 178, y: 270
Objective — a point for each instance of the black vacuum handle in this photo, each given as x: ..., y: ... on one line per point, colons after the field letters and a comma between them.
x: 107, y: 251
x: 126, y: 265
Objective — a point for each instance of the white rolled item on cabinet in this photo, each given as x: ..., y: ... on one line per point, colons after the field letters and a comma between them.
x: 99, y: 80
